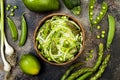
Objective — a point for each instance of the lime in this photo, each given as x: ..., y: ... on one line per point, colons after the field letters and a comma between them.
x: 29, y: 64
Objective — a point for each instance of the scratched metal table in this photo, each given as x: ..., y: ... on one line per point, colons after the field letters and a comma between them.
x: 50, y: 72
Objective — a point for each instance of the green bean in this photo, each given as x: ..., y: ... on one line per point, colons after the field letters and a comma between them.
x: 23, y: 35
x: 111, y: 31
x: 101, y: 68
x: 101, y: 14
x: 84, y: 76
x: 13, y: 29
x: 69, y: 70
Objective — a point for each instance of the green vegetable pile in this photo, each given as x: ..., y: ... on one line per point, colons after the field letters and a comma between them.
x: 59, y: 39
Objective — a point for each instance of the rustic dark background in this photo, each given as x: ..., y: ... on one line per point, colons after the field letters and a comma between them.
x: 50, y: 72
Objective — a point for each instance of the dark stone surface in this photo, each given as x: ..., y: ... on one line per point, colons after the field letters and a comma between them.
x: 50, y: 72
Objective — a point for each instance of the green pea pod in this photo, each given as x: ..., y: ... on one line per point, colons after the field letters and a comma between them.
x: 91, y: 8
x: 101, y: 14
x: 23, y: 35
x: 13, y: 29
x: 111, y: 31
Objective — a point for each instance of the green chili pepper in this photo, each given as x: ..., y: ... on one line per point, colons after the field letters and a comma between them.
x: 69, y: 70
x: 111, y: 31
x: 13, y: 29
x: 101, y: 68
x: 23, y: 36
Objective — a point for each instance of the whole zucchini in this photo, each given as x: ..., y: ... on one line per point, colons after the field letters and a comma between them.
x: 41, y: 5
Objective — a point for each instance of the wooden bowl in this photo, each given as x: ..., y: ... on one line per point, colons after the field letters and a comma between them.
x: 48, y: 17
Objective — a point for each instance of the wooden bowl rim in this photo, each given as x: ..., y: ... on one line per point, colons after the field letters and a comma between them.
x: 42, y: 21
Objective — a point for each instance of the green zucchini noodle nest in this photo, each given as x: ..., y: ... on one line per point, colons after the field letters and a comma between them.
x: 59, y: 39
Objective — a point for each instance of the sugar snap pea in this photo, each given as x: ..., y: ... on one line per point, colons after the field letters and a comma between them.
x: 69, y: 70
x: 101, y: 68
x: 111, y: 31
x: 23, y: 35
x: 13, y: 29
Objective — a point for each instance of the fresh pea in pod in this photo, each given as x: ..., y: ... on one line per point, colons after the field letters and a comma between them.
x: 13, y: 29
x: 101, y: 14
x: 23, y: 35
x: 111, y: 31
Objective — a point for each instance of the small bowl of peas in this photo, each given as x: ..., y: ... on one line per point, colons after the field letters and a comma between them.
x: 59, y: 39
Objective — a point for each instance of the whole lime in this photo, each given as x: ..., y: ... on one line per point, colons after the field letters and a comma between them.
x: 29, y: 64
x: 41, y: 5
